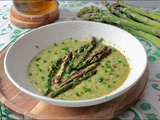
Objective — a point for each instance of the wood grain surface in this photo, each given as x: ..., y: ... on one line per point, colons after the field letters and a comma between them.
x: 25, y: 106
x: 22, y: 20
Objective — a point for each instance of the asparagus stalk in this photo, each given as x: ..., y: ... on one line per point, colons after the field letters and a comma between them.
x: 155, y: 40
x: 79, y: 73
x: 115, y: 11
x: 139, y: 17
x: 85, y: 51
x: 74, y: 56
x: 80, y: 54
x: 73, y: 83
x: 101, y: 53
x: 108, y: 17
x: 116, y: 5
x: 62, y: 68
x: 140, y: 11
x: 62, y: 89
x: 51, y: 72
x: 136, y: 32
x: 91, y: 9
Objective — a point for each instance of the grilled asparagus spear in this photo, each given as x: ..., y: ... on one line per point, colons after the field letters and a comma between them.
x: 79, y: 73
x: 80, y: 54
x: 62, y: 68
x: 101, y: 53
x: 72, y: 84
x: 86, y: 50
x: 52, y: 71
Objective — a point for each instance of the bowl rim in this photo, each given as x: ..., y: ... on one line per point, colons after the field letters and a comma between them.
x: 72, y: 103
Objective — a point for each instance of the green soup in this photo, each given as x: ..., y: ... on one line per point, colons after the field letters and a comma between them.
x: 111, y: 73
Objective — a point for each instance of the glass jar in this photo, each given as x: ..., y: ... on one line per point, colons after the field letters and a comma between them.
x: 34, y: 6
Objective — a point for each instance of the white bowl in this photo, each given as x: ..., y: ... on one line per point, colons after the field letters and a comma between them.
x: 23, y: 50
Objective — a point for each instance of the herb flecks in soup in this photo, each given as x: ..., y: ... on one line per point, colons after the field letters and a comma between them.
x: 78, y: 70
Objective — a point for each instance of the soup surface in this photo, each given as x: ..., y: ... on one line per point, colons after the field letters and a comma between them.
x: 111, y: 73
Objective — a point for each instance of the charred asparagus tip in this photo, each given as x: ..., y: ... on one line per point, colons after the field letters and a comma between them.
x: 69, y: 85
x: 62, y: 67
x: 80, y: 73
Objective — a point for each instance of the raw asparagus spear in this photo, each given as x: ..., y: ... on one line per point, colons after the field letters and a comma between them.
x: 155, y: 40
x: 101, y: 53
x: 91, y: 9
x: 108, y: 17
x: 139, y: 17
x: 140, y: 11
x: 62, y: 68
x: 72, y: 84
x: 51, y: 72
x: 136, y: 32
x: 79, y: 73
x: 115, y: 11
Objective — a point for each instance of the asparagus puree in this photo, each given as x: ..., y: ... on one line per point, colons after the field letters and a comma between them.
x: 107, y: 76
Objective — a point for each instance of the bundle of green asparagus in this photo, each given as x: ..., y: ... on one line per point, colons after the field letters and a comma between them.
x: 78, y: 64
x: 134, y: 20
